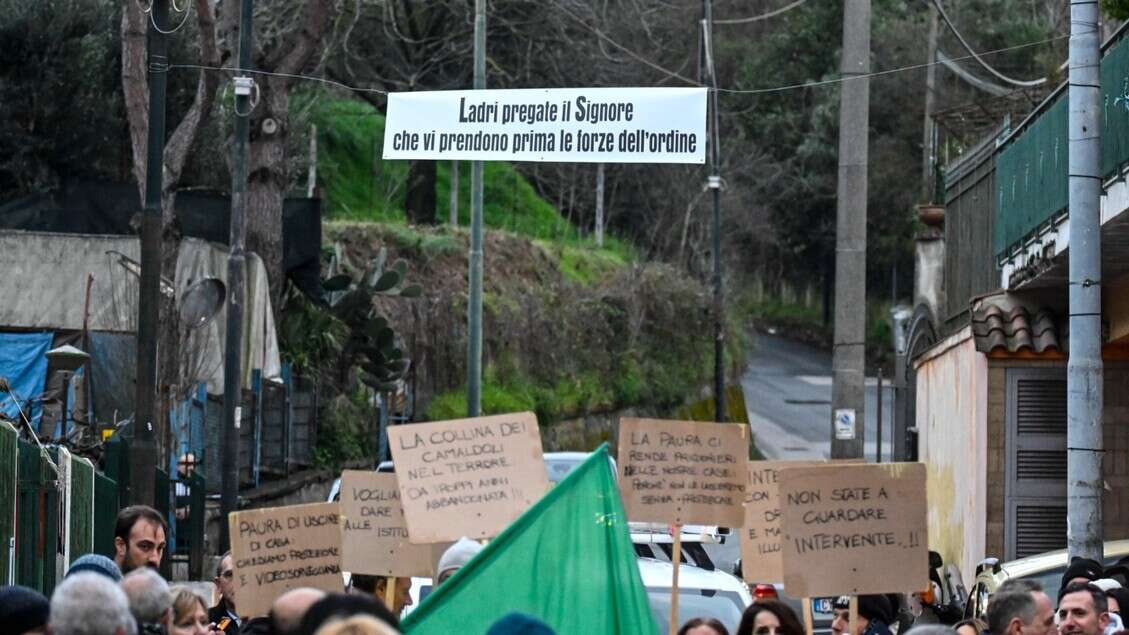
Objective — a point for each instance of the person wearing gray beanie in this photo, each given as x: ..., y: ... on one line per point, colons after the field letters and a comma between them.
x: 95, y: 563
x: 455, y: 557
x: 23, y: 611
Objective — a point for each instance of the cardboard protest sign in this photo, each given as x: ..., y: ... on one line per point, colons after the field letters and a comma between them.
x: 853, y: 529
x: 760, y: 536
x: 282, y: 548
x: 761, y: 559
x: 683, y: 472
x: 592, y: 125
x: 374, y: 537
x: 467, y: 477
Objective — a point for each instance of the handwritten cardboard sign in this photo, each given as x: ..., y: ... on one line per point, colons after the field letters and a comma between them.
x: 683, y: 472
x: 853, y: 529
x: 374, y: 537
x: 760, y: 536
x: 467, y: 477
x: 761, y: 560
x: 282, y: 548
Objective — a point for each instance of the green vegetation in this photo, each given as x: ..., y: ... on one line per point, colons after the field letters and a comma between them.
x: 362, y: 186
x: 586, y: 265
x: 805, y: 324
x: 586, y: 329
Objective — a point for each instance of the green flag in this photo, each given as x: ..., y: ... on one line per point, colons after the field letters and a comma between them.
x: 568, y: 560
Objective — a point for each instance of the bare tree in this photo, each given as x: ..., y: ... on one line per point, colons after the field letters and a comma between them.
x: 135, y: 87
x: 288, y: 37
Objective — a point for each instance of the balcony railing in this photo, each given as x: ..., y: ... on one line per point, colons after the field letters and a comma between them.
x: 1031, y: 163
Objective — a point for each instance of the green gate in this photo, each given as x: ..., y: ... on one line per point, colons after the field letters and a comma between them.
x: 105, y: 514
x: 9, y: 474
x: 37, y: 519
x: 81, y: 509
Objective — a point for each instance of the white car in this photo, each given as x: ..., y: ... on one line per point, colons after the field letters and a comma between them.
x: 701, y: 593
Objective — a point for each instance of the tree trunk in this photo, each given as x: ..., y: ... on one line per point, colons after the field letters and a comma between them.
x: 267, y: 180
x: 178, y: 144
x: 419, y: 203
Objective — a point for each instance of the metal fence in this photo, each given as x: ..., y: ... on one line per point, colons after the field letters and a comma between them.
x: 277, y: 429
x: 55, y: 507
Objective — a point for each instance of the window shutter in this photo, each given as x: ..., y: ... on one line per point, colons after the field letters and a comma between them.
x: 1035, y: 490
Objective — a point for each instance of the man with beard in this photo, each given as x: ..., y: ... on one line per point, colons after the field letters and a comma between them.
x: 139, y: 538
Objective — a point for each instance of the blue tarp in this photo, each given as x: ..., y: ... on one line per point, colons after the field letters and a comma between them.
x: 23, y: 362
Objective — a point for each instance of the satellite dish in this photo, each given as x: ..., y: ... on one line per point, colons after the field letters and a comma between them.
x: 67, y: 358
x: 201, y: 302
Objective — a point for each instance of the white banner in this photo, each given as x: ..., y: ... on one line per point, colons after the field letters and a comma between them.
x: 579, y: 125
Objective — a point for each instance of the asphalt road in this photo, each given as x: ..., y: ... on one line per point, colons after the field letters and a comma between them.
x: 788, y: 396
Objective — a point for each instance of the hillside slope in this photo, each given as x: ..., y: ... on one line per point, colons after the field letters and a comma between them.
x: 566, y: 330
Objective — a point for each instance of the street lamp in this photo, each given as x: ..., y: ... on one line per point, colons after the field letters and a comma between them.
x: 900, y: 316
x: 67, y: 359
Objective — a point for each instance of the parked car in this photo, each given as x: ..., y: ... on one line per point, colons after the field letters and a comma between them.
x: 1045, y: 568
x: 701, y: 593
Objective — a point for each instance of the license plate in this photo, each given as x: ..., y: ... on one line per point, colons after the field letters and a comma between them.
x: 823, y: 605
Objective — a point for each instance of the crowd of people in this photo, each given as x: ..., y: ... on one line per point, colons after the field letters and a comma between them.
x: 127, y: 596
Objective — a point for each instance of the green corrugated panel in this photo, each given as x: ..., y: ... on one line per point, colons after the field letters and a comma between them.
x: 1115, y: 108
x: 37, y: 520
x: 1031, y: 177
x: 82, y: 507
x: 9, y: 474
x: 105, y: 514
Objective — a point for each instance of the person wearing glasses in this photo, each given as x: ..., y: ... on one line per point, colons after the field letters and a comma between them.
x: 223, y: 614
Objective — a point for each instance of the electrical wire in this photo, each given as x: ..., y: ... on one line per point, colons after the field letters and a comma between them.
x: 913, y: 67
x: 607, y: 38
x: 31, y: 431
x: 964, y: 43
x: 153, y: 18
x: 323, y: 80
x: 763, y: 16
x: 737, y: 91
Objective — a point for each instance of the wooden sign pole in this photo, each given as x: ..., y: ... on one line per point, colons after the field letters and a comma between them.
x: 853, y: 614
x: 675, y: 559
x: 390, y: 593
x: 806, y: 607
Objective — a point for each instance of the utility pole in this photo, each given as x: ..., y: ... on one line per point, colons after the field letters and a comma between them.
x: 714, y: 184
x: 599, y: 205
x: 927, y: 149
x: 474, y: 306
x: 454, y: 193
x: 143, y: 454
x: 848, y: 397
x: 1084, y: 372
x: 236, y: 272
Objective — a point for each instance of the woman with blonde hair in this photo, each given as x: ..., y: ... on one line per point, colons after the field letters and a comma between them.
x: 357, y: 625
x: 189, y: 614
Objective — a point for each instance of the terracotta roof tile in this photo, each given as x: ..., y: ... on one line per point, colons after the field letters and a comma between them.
x: 1014, y: 330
